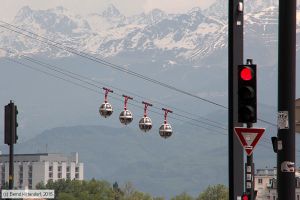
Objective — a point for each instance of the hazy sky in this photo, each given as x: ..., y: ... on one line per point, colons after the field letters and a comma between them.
x: 9, y: 8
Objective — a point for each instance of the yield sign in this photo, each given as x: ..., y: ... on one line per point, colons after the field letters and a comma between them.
x: 249, y: 137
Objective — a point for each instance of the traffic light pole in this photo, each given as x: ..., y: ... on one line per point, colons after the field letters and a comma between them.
x: 249, y: 174
x: 235, y: 58
x: 286, y: 100
x: 11, y: 166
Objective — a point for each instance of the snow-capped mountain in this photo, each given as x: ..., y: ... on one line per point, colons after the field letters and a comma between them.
x: 190, y: 36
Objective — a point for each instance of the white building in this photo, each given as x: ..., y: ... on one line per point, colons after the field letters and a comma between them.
x: 266, y: 185
x: 31, y: 169
x: 263, y: 180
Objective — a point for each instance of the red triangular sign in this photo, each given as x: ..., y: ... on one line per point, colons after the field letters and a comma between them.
x: 249, y: 137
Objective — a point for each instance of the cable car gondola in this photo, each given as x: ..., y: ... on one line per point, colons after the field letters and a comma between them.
x: 126, y: 115
x: 106, y: 108
x: 165, y: 130
x: 145, y: 122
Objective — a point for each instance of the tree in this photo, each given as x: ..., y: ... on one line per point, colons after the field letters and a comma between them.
x: 158, y: 198
x: 66, y: 196
x: 216, y: 192
x: 97, y: 190
x: 79, y: 190
x: 130, y: 193
x: 40, y: 186
x: 183, y: 196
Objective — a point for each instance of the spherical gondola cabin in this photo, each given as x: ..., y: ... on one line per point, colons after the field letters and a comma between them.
x: 126, y: 117
x: 165, y: 130
x: 105, y: 109
x: 145, y: 124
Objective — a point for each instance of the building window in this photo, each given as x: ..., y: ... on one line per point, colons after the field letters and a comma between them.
x: 29, y: 174
x: 20, y: 182
x: 59, y: 175
x: 68, y: 176
x: 3, y: 174
x: 21, y: 168
x: 270, y: 181
x: 59, y: 168
x: 260, y: 181
x: 68, y: 168
x: 30, y: 168
x: 50, y: 168
x: 50, y: 175
x: 21, y: 174
x: 76, y: 169
x: 77, y: 176
x: 298, y: 197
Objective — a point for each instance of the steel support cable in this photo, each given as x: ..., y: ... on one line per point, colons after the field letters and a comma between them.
x: 96, y: 91
x: 83, y: 79
x: 59, y: 70
x: 103, y: 62
x: 87, y: 82
x: 118, y: 99
x: 106, y: 63
x: 110, y: 86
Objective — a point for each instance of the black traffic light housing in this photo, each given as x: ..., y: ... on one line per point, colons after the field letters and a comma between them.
x: 274, y: 144
x: 11, y: 124
x: 247, y: 98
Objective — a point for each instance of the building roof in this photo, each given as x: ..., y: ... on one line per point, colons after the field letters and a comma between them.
x: 41, y: 157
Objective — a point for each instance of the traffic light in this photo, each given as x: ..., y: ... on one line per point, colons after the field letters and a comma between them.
x: 11, y: 124
x: 245, y: 197
x: 247, y: 93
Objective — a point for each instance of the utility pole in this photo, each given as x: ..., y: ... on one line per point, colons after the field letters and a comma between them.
x: 286, y: 100
x: 235, y: 58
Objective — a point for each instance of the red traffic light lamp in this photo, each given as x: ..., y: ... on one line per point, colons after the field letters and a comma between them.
x: 246, y: 74
x: 245, y: 197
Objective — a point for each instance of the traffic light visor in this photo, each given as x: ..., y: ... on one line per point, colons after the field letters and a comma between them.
x: 246, y: 74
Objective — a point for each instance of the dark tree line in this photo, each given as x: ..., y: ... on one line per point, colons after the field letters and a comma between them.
x: 103, y: 190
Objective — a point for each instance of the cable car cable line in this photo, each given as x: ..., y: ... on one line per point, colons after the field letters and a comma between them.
x: 84, y: 80
x: 103, y: 62
x: 108, y: 64
x: 110, y: 86
x: 96, y: 91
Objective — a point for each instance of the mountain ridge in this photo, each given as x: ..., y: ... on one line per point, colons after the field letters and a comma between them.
x: 190, y: 36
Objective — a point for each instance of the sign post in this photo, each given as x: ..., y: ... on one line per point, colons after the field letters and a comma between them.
x: 249, y: 138
x: 297, y: 115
